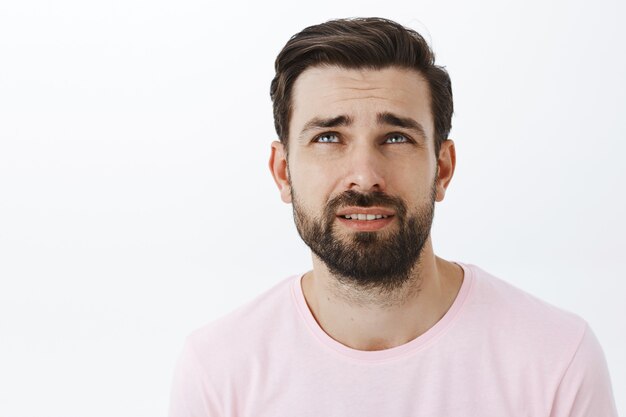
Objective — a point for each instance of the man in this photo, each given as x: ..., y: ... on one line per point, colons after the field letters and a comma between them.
x: 381, y: 326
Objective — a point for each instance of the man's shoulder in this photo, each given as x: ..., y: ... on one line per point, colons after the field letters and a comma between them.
x: 250, y: 322
x: 496, y: 291
x: 521, y: 315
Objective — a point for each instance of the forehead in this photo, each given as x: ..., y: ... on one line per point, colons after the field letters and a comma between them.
x: 328, y: 91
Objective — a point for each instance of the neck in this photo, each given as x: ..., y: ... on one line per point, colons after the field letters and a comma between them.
x: 375, y: 318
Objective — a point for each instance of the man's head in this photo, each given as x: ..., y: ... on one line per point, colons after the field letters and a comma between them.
x: 365, y: 136
x: 360, y: 43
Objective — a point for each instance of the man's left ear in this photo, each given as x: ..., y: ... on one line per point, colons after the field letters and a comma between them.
x: 445, y: 167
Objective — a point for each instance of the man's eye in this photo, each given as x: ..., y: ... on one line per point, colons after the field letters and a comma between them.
x: 397, y: 138
x: 326, y: 138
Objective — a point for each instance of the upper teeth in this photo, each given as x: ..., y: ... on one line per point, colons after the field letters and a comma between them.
x: 365, y: 216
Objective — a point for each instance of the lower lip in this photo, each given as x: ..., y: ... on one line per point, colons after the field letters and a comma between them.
x: 365, y: 225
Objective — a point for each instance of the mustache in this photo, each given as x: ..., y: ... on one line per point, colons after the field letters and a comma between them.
x: 375, y: 198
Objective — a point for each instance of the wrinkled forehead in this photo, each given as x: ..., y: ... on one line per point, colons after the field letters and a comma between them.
x: 328, y: 91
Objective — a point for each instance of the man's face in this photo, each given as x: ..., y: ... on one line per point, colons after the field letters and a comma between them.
x: 361, y: 142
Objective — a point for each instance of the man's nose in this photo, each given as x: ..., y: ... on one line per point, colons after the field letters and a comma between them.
x: 364, y: 170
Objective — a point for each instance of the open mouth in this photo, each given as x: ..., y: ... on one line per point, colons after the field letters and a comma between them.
x: 365, y: 217
x: 365, y: 222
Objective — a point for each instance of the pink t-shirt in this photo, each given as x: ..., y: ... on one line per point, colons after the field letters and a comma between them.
x: 498, y: 351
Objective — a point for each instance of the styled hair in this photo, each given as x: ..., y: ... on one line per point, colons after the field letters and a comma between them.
x: 360, y: 43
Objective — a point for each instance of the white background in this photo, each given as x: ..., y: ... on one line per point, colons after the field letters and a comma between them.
x: 136, y: 203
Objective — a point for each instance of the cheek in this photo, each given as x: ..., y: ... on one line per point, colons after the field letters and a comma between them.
x: 312, y: 189
x: 312, y: 176
x: 413, y: 185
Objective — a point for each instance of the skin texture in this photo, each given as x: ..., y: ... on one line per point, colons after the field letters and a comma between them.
x: 394, y: 167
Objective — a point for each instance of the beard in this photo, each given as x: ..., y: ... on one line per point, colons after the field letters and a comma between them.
x: 382, y: 260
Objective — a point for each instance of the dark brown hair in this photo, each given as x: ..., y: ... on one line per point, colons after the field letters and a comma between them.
x: 356, y: 43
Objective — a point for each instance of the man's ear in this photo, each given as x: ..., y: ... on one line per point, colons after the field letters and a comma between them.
x: 445, y: 164
x: 280, y: 170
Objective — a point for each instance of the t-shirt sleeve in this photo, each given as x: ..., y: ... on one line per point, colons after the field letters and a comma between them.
x: 585, y: 389
x: 192, y: 394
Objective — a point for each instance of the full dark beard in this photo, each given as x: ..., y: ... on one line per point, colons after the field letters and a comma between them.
x: 372, y: 260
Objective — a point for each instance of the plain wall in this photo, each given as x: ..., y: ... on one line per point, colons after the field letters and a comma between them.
x: 136, y: 203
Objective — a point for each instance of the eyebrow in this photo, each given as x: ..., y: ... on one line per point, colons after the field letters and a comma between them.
x: 387, y: 118
x: 324, y: 123
x: 383, y: 119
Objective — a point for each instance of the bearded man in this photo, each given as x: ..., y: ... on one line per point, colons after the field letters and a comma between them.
x: 381, y: 326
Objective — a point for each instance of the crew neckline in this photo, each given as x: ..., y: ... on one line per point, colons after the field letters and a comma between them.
x: 396, y: 352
